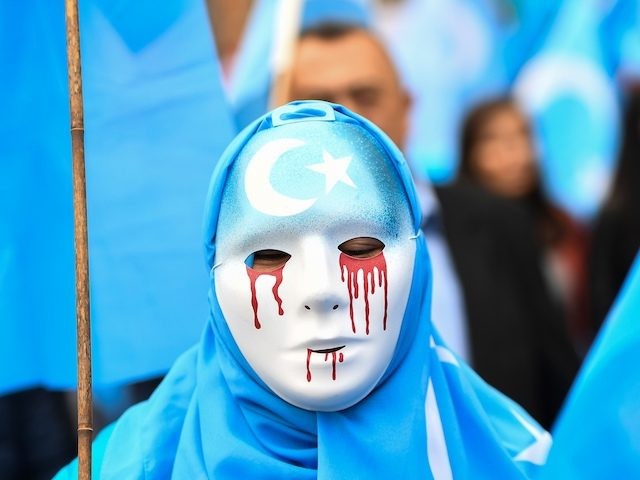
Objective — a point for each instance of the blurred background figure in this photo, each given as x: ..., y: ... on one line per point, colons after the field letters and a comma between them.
x: 616, y: 234
x: 490, y: 303
x: 497, y: 153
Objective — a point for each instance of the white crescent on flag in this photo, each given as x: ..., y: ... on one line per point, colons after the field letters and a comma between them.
x: 261, y: 194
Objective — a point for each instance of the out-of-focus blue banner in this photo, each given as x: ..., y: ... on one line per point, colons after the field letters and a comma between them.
x: 598, y: 432
x: 564, y: 59
x: 568, y: 88
x: 449, y: 56
x: 156, y: 121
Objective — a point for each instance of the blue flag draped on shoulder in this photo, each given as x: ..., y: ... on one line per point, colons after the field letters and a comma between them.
x: 598, y: 433
x: 156, y: 121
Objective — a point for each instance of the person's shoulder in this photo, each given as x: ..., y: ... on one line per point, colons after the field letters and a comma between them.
x: 465, y: 201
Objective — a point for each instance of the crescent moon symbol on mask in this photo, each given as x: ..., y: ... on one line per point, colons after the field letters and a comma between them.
x: 261, y: 194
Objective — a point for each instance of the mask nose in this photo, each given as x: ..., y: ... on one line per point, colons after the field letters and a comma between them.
x: 324, y: 290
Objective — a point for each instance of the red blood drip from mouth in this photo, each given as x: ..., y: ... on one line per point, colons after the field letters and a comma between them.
x: 352, y: 266
x: 335, y: 356
x: 333, y: 372
x: 253, y: 277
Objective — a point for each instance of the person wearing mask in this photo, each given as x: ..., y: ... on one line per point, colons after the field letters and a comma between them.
x: 490, y: 302
x: 297, y: 375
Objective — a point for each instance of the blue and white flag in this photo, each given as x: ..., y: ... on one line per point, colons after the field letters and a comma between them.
x: 526, y: 30
x: 448, y: 54
x: 156, y: 121
x: 598, y: 432
x: 568, y: 89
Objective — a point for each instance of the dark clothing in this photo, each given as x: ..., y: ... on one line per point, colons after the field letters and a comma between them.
x: 615, y: 243
x: 36, y: 436
x: 563, y: 243
x: 570, y: 252
x: 519, y: 342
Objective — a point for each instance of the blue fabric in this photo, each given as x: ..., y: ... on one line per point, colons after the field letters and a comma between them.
x: 561, y: 58
x: 459, y: 45
x: 429, y: 416
x: 568, y: 88
x: 598, y: 432
x: 624, y: 29
x: 37, y: 299
x: 156, y: 120
x: 527, y: 32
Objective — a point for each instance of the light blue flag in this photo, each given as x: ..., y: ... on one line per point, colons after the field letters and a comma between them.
x: 527, y: 28
x: 622, y: 30
x: 156, y: 121
x: 448, y: 53
x: 36, y: 245
x: 569, y: 90
x: 598, y: 432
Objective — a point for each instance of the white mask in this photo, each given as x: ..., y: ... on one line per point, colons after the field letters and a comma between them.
x: 321, y: 330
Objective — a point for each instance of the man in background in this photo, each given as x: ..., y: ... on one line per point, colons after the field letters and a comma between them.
x: 489, y: 299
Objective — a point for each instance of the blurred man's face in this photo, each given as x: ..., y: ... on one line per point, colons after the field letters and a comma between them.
x: 352, y: 70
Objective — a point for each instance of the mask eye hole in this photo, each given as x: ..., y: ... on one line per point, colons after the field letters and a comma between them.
x: 267, y: 260
x: 362, y: 247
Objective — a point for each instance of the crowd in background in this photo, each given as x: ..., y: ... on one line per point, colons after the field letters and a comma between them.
x: 486, y: 139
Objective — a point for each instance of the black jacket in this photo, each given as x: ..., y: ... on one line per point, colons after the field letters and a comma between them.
x: 518, y: 337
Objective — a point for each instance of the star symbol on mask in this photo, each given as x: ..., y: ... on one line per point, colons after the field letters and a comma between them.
x: 334, y: 170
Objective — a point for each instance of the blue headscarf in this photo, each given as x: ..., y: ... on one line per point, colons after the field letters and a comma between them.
x: 429, y: 416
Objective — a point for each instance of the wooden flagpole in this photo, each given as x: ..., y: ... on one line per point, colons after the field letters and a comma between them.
x: 83, y: 324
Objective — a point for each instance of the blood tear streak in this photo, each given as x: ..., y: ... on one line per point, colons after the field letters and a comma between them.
x: 253, y: 277
x: 334, y: 355
x: 367, y: 265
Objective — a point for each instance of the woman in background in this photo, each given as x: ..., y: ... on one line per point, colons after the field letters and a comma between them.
x: 497, y: 153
